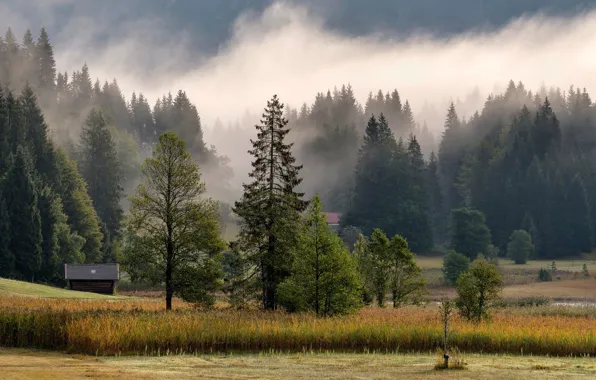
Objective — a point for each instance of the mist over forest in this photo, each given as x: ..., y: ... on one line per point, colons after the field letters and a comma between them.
x: 395, y: 125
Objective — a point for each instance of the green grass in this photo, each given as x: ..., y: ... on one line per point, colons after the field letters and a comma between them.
x: 41, y: 365
x: 27, y: 289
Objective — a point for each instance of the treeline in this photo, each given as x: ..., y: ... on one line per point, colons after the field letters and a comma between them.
x: 524, y: 162
x: 328, y: 135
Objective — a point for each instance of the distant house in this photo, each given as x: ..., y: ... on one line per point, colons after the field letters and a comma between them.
x: 95, y: 278
x: 333, y: 220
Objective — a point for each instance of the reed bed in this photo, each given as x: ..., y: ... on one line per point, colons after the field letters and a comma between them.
x: 145, y: 329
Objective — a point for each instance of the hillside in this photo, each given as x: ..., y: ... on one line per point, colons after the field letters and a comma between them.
x: 26, y: 289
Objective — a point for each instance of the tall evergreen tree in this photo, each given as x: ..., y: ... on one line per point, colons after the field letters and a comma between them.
x: 21, y: 196
x: 102, y: 171
x: 37, y: 137
x: 78, y: 207
x: 270, y: 206
x: 373, y: 179
x: 7, y: 259
x: 437, y: 211
x: 5, y: 134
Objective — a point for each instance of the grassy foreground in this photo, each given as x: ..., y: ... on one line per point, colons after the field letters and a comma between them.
x: 29, y: 365
x: 131, y: 328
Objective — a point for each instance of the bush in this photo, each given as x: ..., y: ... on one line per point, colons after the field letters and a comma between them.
x: 520, y: 246
x: 544, y: 275
x: 454, y: 264
x: 478, y: 289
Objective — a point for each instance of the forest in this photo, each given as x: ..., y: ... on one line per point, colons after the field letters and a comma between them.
x: 71, y: 152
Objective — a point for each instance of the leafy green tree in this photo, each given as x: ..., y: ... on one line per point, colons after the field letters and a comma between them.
x: 379, y: 248
x: 324, y: 277
x: 405, y: 276
x: 469, y: 233
x: 454, y: 264
x: 520, y: 246
x: 270, y: 207
x: 365, y: 269
x: 478, y: 290
x: 102, y: 171
x: 174, y: 230
x: 21, y: 197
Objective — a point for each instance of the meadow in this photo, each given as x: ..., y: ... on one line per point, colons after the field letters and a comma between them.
x: 141, y: 327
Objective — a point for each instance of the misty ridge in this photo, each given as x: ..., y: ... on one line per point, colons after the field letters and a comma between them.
x: 149, y: 80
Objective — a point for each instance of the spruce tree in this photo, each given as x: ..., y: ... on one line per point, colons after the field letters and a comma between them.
x: 46, y: 66
x: 36, y: 132
x: 7, y: 259
x: 50, y: 208
x: 451, y: 157
x: 437, y: 212
x: 4, y: 133
x: 373, y: 179
x: 270, y: 206
x: 102, y: 171
x: 21, y: 196
x: 417, y: 230
x: 78, y: 207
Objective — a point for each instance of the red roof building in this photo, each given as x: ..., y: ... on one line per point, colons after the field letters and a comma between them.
x: 332, y: 218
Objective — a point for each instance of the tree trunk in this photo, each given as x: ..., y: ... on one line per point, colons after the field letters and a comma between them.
x: 169, y: 287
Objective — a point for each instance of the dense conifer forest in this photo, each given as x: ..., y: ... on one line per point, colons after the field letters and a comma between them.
x: 71, y: 150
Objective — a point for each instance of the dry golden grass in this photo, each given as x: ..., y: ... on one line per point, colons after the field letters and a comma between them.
x: 39, y: 365
x: 564, y: 289
x: 142, y: 327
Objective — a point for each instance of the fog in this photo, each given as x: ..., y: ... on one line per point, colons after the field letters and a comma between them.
x: 288, y: 51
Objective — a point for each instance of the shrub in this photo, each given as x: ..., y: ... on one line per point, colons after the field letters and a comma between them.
x: 478, y: 289
x: 544, y: 275
x: 520, y: 246
x: 454, y: 264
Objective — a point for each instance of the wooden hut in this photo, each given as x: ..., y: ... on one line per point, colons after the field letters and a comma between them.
x: 95, y: 278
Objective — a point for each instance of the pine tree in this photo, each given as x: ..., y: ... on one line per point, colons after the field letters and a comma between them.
x: 50, y: 208
x: 46, y: 66
x: 102, y: 171
x: 78, y: 207
x: 437, y: 212
x: 7, y: 259
x: 451, y: 157
x: 21, y: 196
x: 417, y: 230
x: 18, y: 132
x: 5, y: 134
x: 270, y: 207
x: 374, y: 180
x: 36, y: 130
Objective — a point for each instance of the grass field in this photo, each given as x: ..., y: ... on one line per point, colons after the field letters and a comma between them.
x: 39, y: 365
